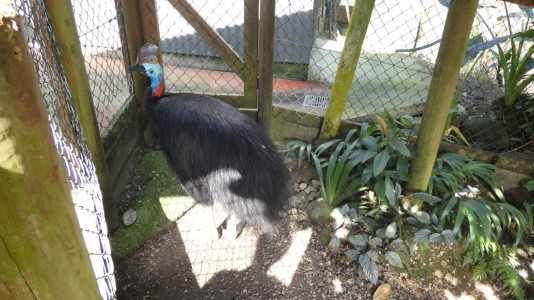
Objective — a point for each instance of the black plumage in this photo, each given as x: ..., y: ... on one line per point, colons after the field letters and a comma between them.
x: 218, y: 153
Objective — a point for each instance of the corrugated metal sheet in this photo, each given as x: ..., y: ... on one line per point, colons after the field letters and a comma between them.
x: 294, y: 30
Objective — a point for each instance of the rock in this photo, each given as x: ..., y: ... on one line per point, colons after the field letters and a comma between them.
x: 383, y: 292
x: 316, y: 184
x: 309, y: 189
x: 302, y: 216
x: 296, y: 186
x: 294, y: 201
x: 324, y: 236
x: 129, y: 217
x: 320, y: 212
x: 486, y: 134
x: 303, y: 186
x: 294, y: 211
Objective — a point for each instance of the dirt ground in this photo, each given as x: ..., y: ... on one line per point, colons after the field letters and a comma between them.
x: 292, y: 264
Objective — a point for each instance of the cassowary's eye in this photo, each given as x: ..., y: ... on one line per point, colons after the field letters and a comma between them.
x: 151, y: 71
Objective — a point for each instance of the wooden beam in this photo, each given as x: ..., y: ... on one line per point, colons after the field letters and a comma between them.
x: 250, y: 35
x: 150, y: 24
x: 266, y: 61
x: 210, y: 37
x: 359, y: 21
x: 446, y: 71
x: 73, y: 63
x: 42, y: 254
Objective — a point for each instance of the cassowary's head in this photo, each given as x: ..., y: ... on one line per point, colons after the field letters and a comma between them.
x: 147, y: 64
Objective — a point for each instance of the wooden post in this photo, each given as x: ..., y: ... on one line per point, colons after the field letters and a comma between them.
x: 359, y: 21
x: 42, y: 254
x: 141, y: 27
x: 250, y: 35
x: 66, y: 37
x: 266, y: 57
x: 448, y: 63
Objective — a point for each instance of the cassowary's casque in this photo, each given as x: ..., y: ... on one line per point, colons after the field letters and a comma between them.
x: 219, y: 154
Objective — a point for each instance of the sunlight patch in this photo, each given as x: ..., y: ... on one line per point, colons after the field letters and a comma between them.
x: 284, y: 269
x: 338, y: 287
x: 463, y: 296
x: 175, y: 206
x: 209, y: 255
x: 487, y: 291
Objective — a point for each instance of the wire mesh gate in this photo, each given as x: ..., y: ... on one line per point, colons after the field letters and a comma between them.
x: 70, y: 142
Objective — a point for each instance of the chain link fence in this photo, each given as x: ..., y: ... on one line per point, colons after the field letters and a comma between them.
x: 103, y: 47
x: 69, y: 141
x: 393, y: 73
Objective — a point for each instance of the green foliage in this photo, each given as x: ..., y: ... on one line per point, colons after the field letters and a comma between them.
x: 370, y: 156
x: 368, y: 249
x: 452, y: 170
x: 501, y: 264
x: 513, y: 62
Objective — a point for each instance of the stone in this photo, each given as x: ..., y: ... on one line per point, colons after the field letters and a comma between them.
x: 301, y: 217
x: 383, y: 292
x: 320, y: 212
x: 316, y: 184
x: 294, y: 201
x: 324, y: 236
x: 303, y: 186
x: 309, y: 189
x: 129, y: 217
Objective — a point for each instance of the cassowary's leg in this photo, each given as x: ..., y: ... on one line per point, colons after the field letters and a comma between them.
x: 234, y: 227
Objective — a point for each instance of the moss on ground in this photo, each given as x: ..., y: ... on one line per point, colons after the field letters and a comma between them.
x: 158, y: 204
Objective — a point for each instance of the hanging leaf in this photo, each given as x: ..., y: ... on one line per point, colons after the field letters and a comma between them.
x: 390, y: 192
x: 400, y: 146
x: 383, y: 125
x: 381, y: 233
x: 380, y: 162
x: 397, y: 243
x: 369, y: 268
x: 358, y: 240
x: 425, y: 198
x: 391, y: 230
x: 434, y: 237
x: 423, y: 217
x: 375, y: 242
x: 352, y: 254
x: 335, y: 243
x: 393, y: 258
x: 422, y: 236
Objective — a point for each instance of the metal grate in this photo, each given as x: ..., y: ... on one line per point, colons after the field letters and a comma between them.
x: 315, y: 101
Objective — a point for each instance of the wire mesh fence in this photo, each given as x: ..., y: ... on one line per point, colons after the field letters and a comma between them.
x: 103, y: 47
x: 393, y: 73
x: 69, y: 141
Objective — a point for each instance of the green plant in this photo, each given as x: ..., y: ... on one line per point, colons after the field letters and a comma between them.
x: 369, y: 156
x: 513, y: 62
x: 452, y: 170
x: 369, y: 249
x: 503, y: 264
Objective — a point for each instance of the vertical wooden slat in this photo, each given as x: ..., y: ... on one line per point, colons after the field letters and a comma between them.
x: 251, y: 26
x: 359, y: 21
x: 150, y: 25
x: 448, y: 63
x: 266, y: 57
x: 42, y: 254
x: 72, y: 60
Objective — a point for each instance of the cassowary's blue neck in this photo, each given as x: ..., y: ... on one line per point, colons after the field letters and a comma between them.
x: 155, y: 74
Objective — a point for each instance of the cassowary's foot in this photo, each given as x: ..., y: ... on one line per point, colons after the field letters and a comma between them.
x: 233, y: 228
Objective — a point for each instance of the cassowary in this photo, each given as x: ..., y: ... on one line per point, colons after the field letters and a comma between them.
x: 220, y: 155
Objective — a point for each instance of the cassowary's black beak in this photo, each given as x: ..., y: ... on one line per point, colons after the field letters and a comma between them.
x: 137, y: 68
